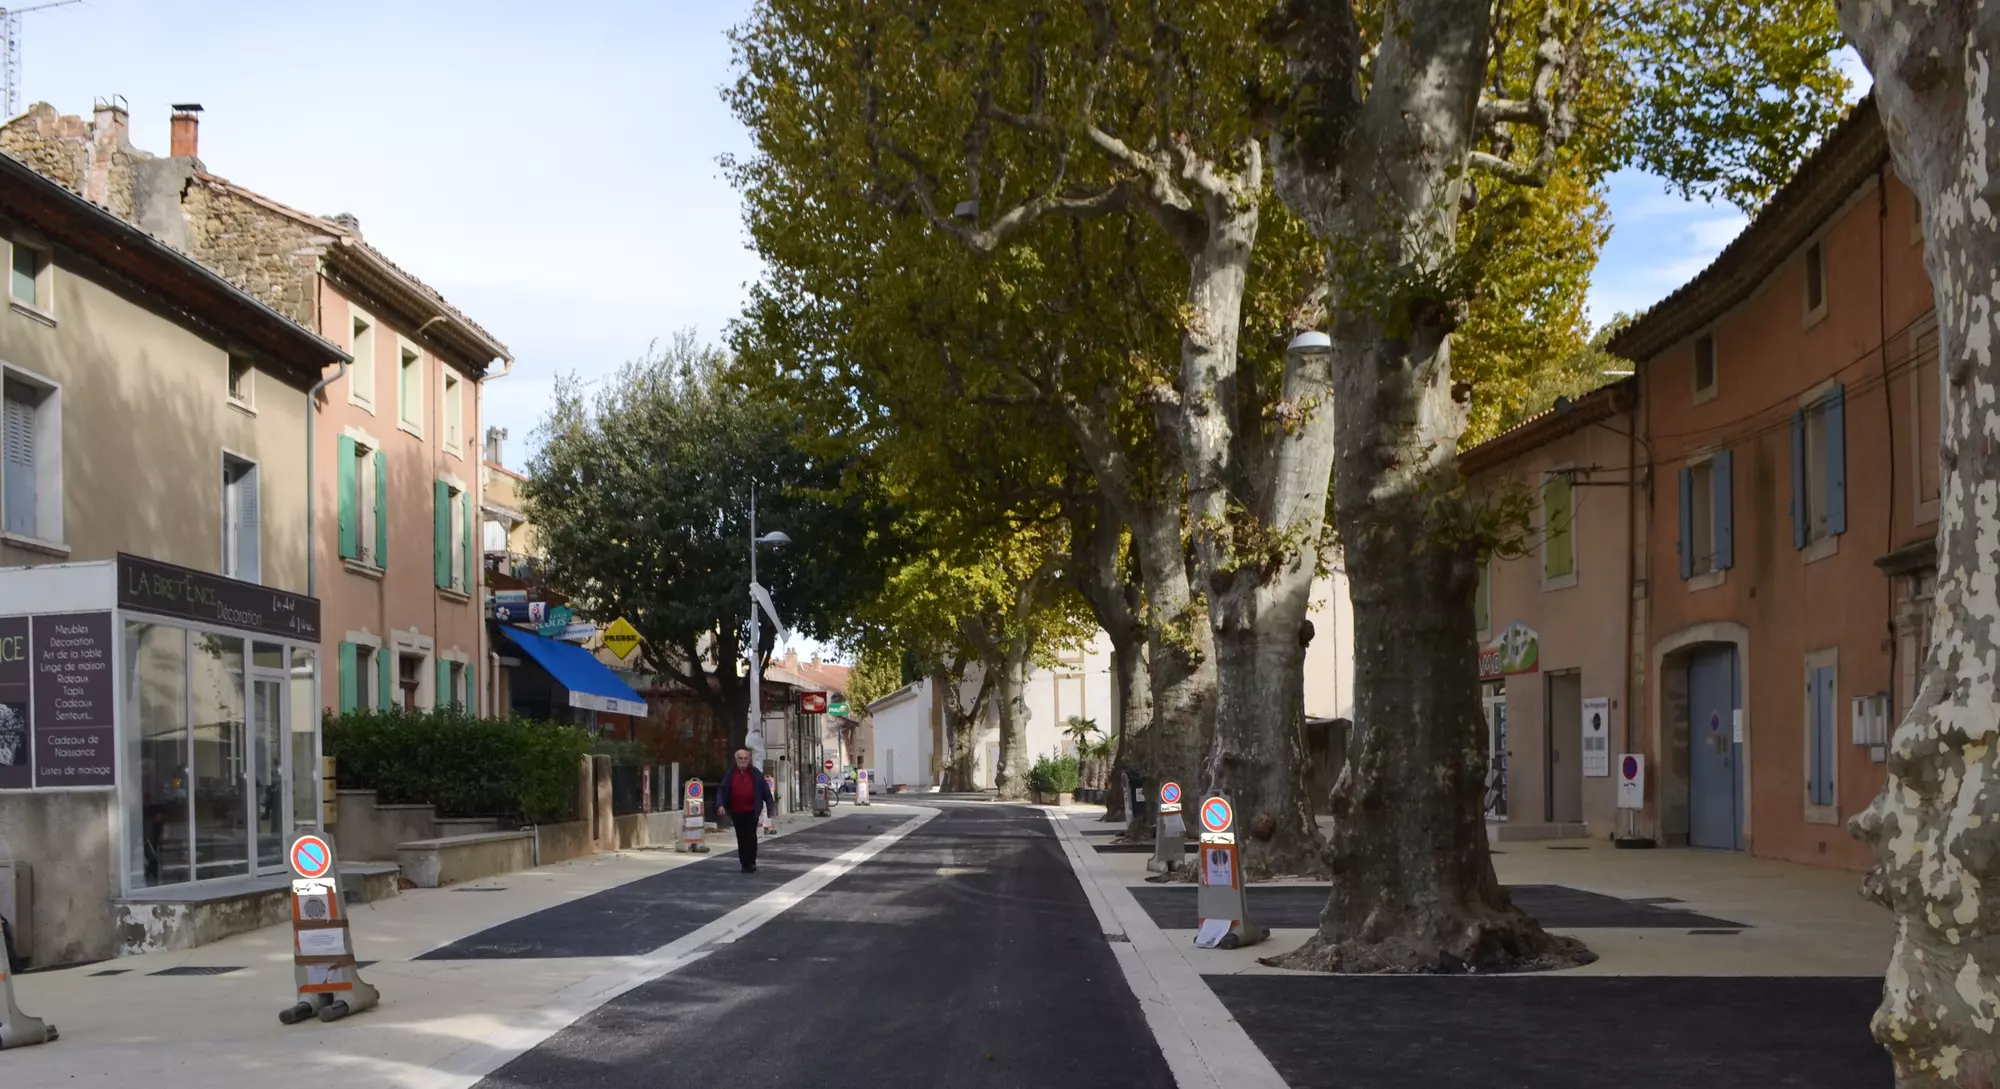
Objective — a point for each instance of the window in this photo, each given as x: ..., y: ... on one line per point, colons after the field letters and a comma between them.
x: 1707, y: 517
x: 239, y: 380
x: 361, y: 376
x: 1704, y: 366
x: 1821, y: 768
x: 241, y: 520
x: 1558, y: 531
x: 364, y: 503
x: 30, y: 459
x: 1482, y: 600
x: 454, y: 411
x: 452, y: 538
x: 409, y: 681
x: 1819, y: 469
x: 358, y: 687
x: 410, y: 388
x: 1815, y: 281
x: 29, y: 281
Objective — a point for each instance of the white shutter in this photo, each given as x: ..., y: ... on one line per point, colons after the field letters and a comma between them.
x: 17, y: 453
x: 249, y: 514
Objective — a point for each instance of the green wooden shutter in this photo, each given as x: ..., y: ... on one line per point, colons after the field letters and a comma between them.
x: 471, y: 687
x: 442, y: 695
x: 382, y: 510
x: 441, y: 533
x: 382, y: 656
x: 465, y: 538
x: 350, y: 515
x: 350, y: 686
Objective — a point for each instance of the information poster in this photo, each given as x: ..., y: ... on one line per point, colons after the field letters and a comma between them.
x: 74, y: 696
x: 1216, y: 870
x: 1597, y: 736
x: 57, y: 695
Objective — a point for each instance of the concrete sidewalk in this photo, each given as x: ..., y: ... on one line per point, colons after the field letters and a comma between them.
x: 123, y: 1023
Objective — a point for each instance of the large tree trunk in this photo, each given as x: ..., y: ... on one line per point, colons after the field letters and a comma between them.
x: 1256, y: 756
x: 961, y: 728
x: 1135, y: 707
x: 1935, y: 828
x: 1180, y: 654
x: 1011, y: 777
x: 1413, y: 888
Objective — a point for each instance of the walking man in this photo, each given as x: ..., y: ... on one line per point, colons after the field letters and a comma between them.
x: 744, y: 793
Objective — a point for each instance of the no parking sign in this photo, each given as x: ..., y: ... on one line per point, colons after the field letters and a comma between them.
x: 1631, y: 781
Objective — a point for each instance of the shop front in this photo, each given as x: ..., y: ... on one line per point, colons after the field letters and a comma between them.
x: 166, y: 717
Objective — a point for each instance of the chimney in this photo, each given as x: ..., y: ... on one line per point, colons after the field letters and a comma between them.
x: 186, y: 130
x: 494, y: 437
x: 110, y: 133
x: 347, y: 222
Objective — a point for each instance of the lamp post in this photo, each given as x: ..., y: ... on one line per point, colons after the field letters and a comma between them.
x: 753, y: 738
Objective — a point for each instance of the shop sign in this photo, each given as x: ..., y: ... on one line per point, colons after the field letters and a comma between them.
x: 555, y: 623
x: 621, y: 638
x: 812, y: 703
x: 1515, y: 650
x: 149, y: 586
x: 57, y: 698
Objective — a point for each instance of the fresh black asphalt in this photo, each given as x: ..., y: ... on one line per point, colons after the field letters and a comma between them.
x: 643, y: 915
x: 1554, y: 1032
x: 1298, y: 907
x: 964, y: 956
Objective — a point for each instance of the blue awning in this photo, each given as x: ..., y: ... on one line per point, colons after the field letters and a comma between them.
x: 591, y: 684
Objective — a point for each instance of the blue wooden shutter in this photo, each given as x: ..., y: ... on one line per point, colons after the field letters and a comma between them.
x: 1722, y: 488
x: 382, y: 667
x: 350, y: 514
x: 381, y: 510
x: 1800, y: 519
x: 1686, y: 542
x: 441, y: 533
x: 350, y: 683
x: 1835, y: 407
x: 1819, y: 690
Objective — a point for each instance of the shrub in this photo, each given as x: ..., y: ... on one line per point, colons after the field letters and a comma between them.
x: 1053, y: 775
x: 465, y: 766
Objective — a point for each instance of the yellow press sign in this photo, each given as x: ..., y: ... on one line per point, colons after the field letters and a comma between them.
x: 621, y: 638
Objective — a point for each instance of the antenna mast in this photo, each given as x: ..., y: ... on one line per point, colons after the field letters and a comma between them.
x: 10, y: 53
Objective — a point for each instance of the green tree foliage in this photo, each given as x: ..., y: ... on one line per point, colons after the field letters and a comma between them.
x: 877, y: 671
x: 641, y: 497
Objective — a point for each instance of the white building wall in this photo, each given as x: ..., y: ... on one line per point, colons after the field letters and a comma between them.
x: 902, y: 736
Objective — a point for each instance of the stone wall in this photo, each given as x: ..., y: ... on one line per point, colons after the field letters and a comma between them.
x: 55, y: 146
x: 266, y: 253
x: 66, y: 839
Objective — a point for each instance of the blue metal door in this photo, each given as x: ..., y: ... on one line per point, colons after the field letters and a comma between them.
x: 1715, y: 756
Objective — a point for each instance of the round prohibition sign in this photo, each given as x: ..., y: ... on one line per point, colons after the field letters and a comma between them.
x: 311, y: 857
x: 1216, y: 815
x: 1170, y: 792
x: 694, y: 788
x: 1631, y: 768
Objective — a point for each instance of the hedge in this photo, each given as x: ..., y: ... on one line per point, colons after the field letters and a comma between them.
x: 515, y: 769
x: 1053, y: 775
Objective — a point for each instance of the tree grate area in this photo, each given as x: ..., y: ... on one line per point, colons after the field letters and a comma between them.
x: 198, y: 970
x: 1298, y: 907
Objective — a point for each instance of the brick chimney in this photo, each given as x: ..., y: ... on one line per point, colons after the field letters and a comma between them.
x: 110, y: 133
x: 185, y: 140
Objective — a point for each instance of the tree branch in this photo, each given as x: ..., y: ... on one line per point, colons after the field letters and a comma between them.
x: 1547, y: 109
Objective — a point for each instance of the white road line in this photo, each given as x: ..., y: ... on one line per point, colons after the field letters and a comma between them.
x: 522, y: 1033
x: 1204, y: 1046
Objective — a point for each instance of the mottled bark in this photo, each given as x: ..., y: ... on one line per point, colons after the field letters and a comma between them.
x: 1935, y: 828
x: 1381, y: 180
x: 1135, y: 706
x: 1116, y: 598
x: 1011, y: 777
x: 962, y: 718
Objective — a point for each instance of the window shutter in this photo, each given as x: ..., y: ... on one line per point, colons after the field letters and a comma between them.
x: 465, y: 538
x: 383, y: 655
x: 471, y: 688
x: 382, y: 510
x: 1812, y: 736
x: 1836, y: 461
x: 350, y: 684
x: 1799, y: 518
x: 1686, y: 542
x: 17, y: 484
x: 249, y: 552
x: 350, y: 512
x: 441, y: 532
x: 1722, y: 489
x: 442, y: 695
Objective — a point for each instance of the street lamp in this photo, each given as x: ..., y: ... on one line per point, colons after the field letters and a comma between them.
x: 760, y: 602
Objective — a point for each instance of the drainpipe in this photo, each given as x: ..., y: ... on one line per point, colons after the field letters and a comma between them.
x: 1631, y: 587
x: 312, y: 480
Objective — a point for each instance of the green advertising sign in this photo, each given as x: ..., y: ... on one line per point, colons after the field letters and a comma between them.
x: 837, y: 707
x: 557, y: 621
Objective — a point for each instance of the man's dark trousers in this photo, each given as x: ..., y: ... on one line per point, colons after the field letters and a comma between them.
x: 746, y: 838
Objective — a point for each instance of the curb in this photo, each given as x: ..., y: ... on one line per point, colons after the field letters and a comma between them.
x: 1204, y: 1046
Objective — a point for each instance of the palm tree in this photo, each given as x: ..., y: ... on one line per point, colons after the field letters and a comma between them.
x: 1081, y: 732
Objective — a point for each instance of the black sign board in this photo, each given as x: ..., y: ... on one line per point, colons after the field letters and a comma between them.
x: 16, y: 673
x: 164, y: 589
x: 75, y: 692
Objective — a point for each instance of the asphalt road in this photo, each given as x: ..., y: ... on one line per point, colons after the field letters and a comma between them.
x: 965, y: 955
